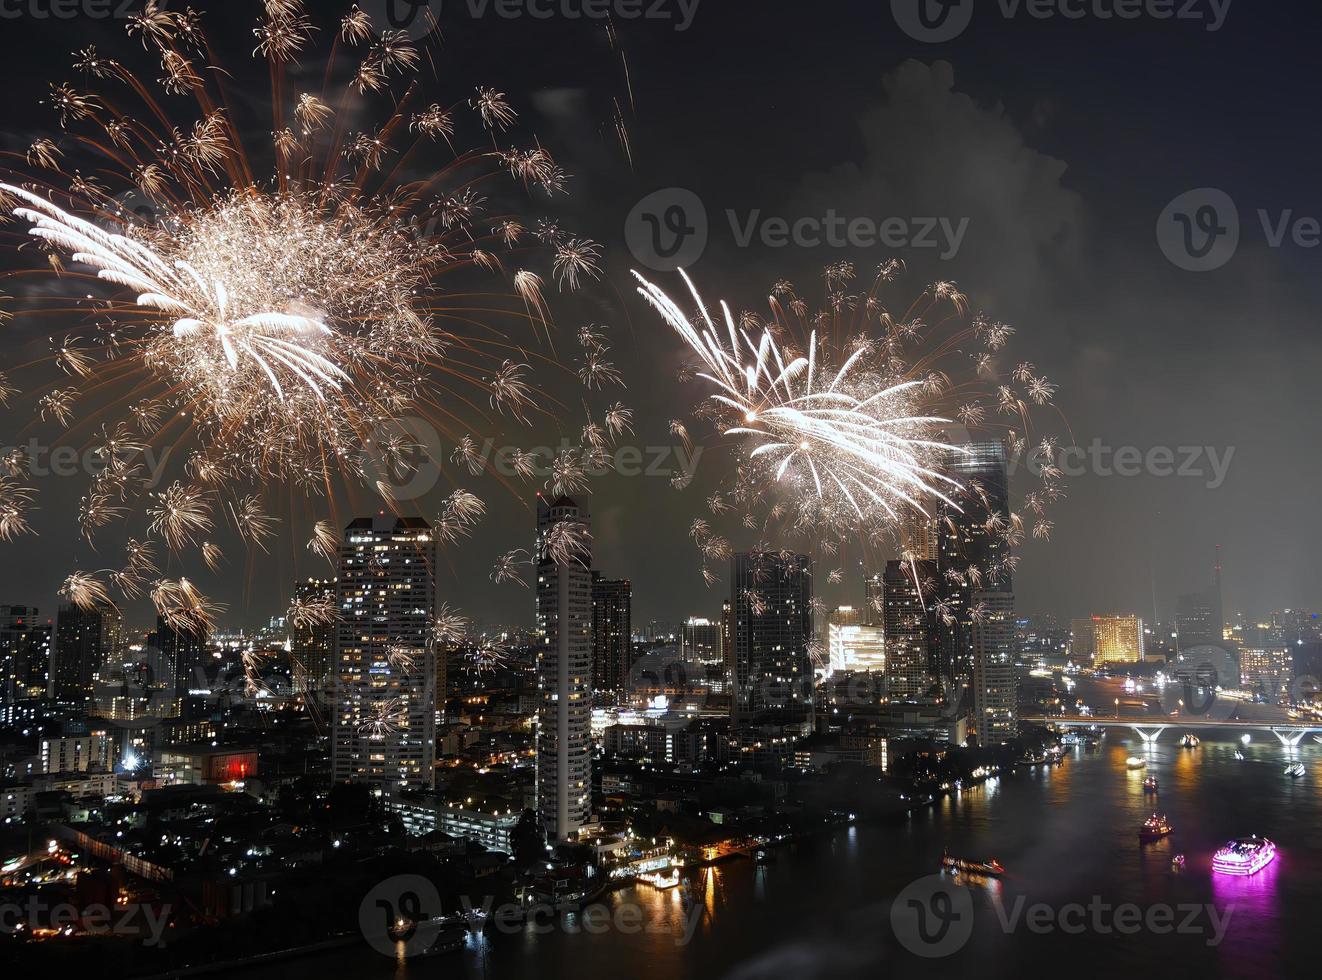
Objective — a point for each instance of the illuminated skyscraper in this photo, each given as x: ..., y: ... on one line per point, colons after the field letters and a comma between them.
x: 1117, y: 639
x: 995, y: 684
x: 971, y: 538
x: 612, y: 635
x: 384, y: 721
x: 564, y: 666
x: 771, y: 603
x: 313, y: 647
x: 906, y: 629
x: 23, y: 653
x: 700, y: 642
x: 84, y: 639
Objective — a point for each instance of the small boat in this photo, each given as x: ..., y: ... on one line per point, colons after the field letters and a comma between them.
x: 1155, y: 827
x: 1134, y: 762
x: 1177, y: 863
x: 1244, y: 856
x: 662, y: 881
x: 1295, y: 769
x: 1190, y: 741
x: 760, y: 855
x: 1150, y: 784
x: 991, y: 868
x: 1239, y: 755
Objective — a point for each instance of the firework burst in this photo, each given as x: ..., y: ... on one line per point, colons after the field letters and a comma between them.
x: 278, y: 307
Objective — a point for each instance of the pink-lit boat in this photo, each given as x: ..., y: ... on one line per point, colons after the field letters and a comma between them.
x: 1245, y: 856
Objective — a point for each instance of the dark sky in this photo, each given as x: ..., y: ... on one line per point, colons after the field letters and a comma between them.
x: 1061, y: 141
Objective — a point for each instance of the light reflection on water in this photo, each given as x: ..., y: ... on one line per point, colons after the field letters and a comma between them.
x: 1065, y: 834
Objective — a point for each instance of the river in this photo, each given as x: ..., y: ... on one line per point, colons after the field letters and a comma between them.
x: 1066, y: 835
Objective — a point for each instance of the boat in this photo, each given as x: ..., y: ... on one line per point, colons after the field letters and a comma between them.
x: 990, y: 868
x: 1244, y: 856
x: 1134, y: 762
x: 663, y: 881
x: 1155, y: 827
x: 1295, y: 769
x: 1150, y: 784
x: 1239, y: 755
x: 1190, y: 741
x: 1177, y: 863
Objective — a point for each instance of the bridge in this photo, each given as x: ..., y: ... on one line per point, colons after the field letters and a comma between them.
x: 1290, y: 734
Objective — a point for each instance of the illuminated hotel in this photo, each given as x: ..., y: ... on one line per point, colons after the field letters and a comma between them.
x: 387, y: 593
x: 1117, y: 639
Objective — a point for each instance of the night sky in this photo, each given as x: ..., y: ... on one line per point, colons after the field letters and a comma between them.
x: 1060, y: 141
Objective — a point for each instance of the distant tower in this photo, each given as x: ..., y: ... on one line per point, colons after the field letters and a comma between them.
x: 995, y: 684
x: 612, y: 635
x: 771, y: 600
x: 182, y: 651
x: 20, y: 653
x: 969, y: 538
x: 564, y: 665
x: 84, y: 640
x: 313, y: 647
x: 384, y: 724
x: 906, y: 629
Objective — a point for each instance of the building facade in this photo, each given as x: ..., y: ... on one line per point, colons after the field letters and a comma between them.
x: 384, y: 712
x: 564, y: 666
x: 84, y: 640
x: 612, y: 635
x: 995, y: 683
x: 772, y: 619
x: 906, y: 629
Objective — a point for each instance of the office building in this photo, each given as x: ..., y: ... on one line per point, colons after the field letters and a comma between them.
x: 84, y: 640
x: 906, y: 630
x: 856, y: 647
x: 701, y: 642
x: 1117, y: 639
x: 612, y: 635
x: 772, y: 619
x: 312, y: 645
x: 24, y: 654
x: 384, y: 712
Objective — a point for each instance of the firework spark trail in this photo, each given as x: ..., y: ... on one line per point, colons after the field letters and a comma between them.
x: 273, y: 326
x: 853, y: 439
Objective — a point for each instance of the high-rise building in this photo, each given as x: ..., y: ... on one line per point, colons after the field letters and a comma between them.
x: 971, y: 537
x: 771, y: 603
x: 1117, y: 639
x: 612, y: 635
x: 1083, y: 639
x: 313, y: 645
x: 84, y: 640
x: 995, y: 684
x: 700, y: 642
x: 23, y: 653
x: 384, y: 718
x: 184, y: 652
x: 564, y: 665
x: 1267, y: 672
x: 856, y: 647
x: 1198, y: 619
x: 906, y: 629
